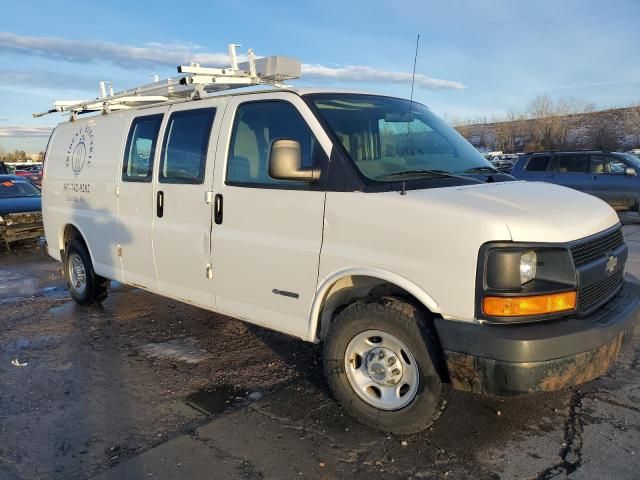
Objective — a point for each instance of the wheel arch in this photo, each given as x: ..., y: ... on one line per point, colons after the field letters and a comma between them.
x: 346, y: 286
x: 69, y: 232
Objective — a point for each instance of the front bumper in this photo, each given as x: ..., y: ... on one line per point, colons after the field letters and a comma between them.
x: 545, y: 356
x: 19, y: 232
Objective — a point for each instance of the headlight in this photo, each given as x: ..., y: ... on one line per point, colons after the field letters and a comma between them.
x: 525, y: 281
x: 528, y: 266
x: 1, y: 220
x: 510, y: 268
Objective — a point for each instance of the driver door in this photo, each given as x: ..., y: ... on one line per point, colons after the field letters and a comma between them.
x: 268, y: 233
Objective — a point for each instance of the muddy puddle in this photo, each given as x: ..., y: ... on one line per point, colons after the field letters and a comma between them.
x: 215, y: 400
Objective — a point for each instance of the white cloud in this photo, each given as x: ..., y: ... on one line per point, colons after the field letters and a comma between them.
x: 180, y: 54
x: 25, y: 131
x: 57, y: 80
x: 357, y: 73
x: 120, y: 54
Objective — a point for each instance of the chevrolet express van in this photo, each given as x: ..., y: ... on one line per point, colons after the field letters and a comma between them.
x: 360, y: 221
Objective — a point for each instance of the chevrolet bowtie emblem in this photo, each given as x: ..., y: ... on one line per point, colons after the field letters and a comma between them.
x: 612, y: 262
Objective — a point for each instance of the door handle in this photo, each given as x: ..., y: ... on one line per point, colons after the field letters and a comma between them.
x: 217, y: 209
x: 160, y: 204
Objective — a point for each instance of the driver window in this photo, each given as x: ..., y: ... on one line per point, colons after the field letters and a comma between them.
x: 608, y: 165
x: 257, y: 125
x: 617, y: 167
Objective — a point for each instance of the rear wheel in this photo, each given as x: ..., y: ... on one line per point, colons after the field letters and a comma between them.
x: 85, y: 286
x: 380, y: 363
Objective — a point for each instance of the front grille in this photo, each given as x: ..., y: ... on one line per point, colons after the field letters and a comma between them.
x: 593, y: 249
x: 600, y: 291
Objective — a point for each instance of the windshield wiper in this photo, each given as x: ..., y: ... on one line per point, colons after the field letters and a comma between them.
x: 481, y: 169
x: 419, y: 173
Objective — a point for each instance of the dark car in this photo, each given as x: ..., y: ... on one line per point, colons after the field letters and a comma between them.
x: 20, y: 210
x: 33, y: 174
x: 611, y: 176
x: 503, y: 165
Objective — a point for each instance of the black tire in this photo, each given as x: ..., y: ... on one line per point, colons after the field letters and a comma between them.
x: 409, y: 324
x: 97, y: 287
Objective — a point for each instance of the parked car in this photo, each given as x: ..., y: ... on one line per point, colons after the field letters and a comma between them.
x: 611, y: 176
x: 635, y: 152
x: 33, y: 174
x: 20, y: 210
x: 4, y: 169
x: 352, y: 219
x: 503, y: 165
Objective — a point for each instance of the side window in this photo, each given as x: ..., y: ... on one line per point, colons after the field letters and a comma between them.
x: 572, y: 163
x: 617, y: 166
x: 184, y: 152
x: 538, y: 163
x: 600, y: 164
x: 256, y: 126
x: 141, y: 148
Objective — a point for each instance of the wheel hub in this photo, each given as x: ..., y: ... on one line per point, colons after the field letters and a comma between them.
x: 77, y: 273
x: 383, y: 366
x: 381, y: 369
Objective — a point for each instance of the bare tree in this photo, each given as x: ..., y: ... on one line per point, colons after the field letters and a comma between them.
x: 632, y: 124
x: 15, y: 156
x: 602, y: 137
x: 542, y: 114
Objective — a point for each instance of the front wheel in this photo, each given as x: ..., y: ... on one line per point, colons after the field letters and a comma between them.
x: 379, y: 361
x: 85, y: 286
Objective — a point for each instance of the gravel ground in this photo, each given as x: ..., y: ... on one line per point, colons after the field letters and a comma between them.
x: 145, y: 387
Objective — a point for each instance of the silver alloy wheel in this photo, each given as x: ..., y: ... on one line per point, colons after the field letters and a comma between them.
x: 381, y: 370
x: 77, y: 273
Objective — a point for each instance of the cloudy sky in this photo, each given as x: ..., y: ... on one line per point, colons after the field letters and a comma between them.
x: 476, y: 59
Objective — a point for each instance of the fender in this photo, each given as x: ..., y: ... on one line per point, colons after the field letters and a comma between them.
x: 398, y: 280
x: 77, y: 227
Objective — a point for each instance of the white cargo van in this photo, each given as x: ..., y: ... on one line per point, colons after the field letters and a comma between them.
x: 361, y: 221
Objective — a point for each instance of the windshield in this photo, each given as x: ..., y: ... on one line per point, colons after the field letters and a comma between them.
x: 387, y: 137
x: 12, y: 189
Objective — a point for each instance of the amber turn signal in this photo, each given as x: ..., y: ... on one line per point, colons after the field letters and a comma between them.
x: 532, y: 305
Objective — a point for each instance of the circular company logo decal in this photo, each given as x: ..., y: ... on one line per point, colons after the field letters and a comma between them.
x: 80, y: 151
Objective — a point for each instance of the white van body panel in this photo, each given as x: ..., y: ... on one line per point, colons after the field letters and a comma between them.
x: 419, y: 244
x: 81, y: 189
x: 415, y: 237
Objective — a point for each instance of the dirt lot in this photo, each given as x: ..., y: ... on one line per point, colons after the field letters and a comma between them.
x: 144, y: 387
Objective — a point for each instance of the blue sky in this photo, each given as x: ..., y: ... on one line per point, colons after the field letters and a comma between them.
x: 477, y: 58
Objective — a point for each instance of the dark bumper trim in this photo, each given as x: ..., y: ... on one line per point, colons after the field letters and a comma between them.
x: 518, y: 359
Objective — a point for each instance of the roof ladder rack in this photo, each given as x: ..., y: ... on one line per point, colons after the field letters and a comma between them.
x: 195, y: 83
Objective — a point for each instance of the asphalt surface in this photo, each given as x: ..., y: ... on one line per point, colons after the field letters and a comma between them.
x: 145, y: 387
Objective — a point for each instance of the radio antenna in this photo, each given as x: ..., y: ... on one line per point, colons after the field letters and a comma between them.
x: 413, y: 81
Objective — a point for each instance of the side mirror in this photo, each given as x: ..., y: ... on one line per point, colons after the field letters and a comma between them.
x: 285, y: 160
x: 630, y: 171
